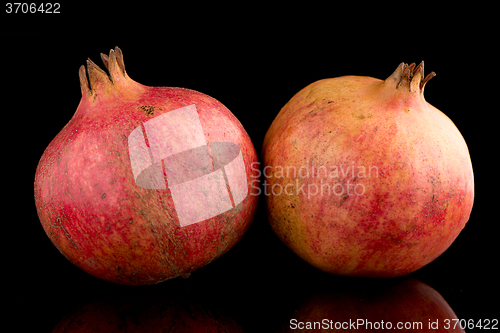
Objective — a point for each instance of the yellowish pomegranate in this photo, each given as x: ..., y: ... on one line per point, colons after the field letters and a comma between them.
x: 363, y: 177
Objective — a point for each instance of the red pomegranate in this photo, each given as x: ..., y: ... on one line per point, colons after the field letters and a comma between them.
x: 405, y: 306
x: 145, y: 184
x: 148, y: 315
x: 364, y: 177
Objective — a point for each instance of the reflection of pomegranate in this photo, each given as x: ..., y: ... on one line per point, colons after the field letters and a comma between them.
x: 365, y: 178
x: 409, y: 306
x: 145, y: 183
x: 148, y: 316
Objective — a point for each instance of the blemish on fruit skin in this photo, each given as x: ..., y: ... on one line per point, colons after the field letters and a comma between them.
x: 149, y: 110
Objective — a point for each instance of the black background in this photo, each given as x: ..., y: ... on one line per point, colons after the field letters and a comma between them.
x: 253, y: 59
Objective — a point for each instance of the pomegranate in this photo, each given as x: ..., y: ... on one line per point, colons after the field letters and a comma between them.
x: 408, y: 305
x: 363, y: 177
x: 146, y: 315
x: 145, y: 184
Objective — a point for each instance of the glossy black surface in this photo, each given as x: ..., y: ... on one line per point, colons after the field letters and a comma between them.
x: 254, y: 70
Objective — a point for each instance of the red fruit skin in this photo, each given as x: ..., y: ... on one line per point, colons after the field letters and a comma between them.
x: 92, y: 209
x: 405, y: 211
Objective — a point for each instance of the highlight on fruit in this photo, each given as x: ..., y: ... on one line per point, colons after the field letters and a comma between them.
x: 145, y: 184
x: 364, y: 177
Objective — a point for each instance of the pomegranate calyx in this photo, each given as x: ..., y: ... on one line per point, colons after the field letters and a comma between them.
x: 99, y: 79
x: 426, y: 79
x: 84, y: 83
x: 114, y: 63
x: 410, y: 77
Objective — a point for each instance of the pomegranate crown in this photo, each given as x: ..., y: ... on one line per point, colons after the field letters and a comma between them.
x: 410, y: 77
x: 99, y: 79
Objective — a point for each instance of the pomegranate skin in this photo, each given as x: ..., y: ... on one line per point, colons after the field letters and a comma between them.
x: 113, y: 224
x: 363, y: 177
